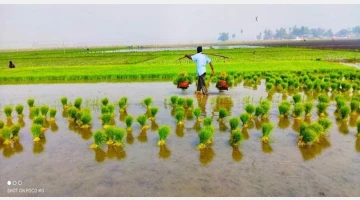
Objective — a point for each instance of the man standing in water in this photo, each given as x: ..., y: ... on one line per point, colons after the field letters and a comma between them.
x: 201, y: 61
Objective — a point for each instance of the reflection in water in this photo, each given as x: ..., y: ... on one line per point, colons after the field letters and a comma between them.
x: 21, y: 122
x: 7, y: 151
x: 18, y: 147
x: 236, y: 154
x: 222, y: 126
x: 245, y: 133
x: 179, y: 130
x: 129, y: 137
x: 343, y: 128
x: 46, y: 124
x: 112, y: 121
x: 357, y: 144
x: 85, y: 133
x: 64, y: 114
x: 197, y: 126
x: 99, y: 155
x: 307, y: 119
x: 284, y: 96
x: 202, y: 100
x: 189, y: 114
x: 258, y: 123
x: 115, y: 152
x: 223, y: 102
x: 296, y: 125
x: 284, y: 123
x: 353, y: 120
x: 123, y: 115
x: 206, y: 156
x: 270, y: 96
x: 154, y: 125
x: 164, y: 152
x: 54, y: 127
x: 9, y: 122
x: 38, y: 147
x: 251, y: 124
x: 142, y: 137
x: 266, y: 147
x: 311, y: 152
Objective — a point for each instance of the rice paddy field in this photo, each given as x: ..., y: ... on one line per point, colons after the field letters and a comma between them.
x: 114, y: 124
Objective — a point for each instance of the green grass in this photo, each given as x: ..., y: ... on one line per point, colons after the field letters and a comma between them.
x: 76, y: 65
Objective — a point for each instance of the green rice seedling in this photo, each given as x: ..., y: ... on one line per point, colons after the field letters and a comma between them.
x: 179, y: 116
x: 298, y: 110
x: 34, y: 111
x: 44, y: 110
x: 85, y: 120
x: 104, y: 109
x: 197, y: 113
x: 64, y: 102
x: 164, y: 132
x: 307, y: 108
x: 111, y: 108
x: 2, y: 124
x: 269, y: 86
x: 321, y: 109
x: 297, y: 98
x: 324, y: 99
x: 205, y: 137
x: 223, y: 113
x: 236, y: 137
x: 110, y: 132
x: 153, y: 112
x: 189, y: 103
x: 77, y: 102
x: 142, y: 121
x: 344, y: 113
x: 259, y: 111
x: 265, y: 105
x: 36, y: 132
x: 207, y: 121
x: 354, y: 105
x: 308, y: 137
x: 53, y: 112
x: 244, y: 117
x: 122, y: 105
x: 326, y: 124
x: 19, y: 109
x: 234, y: 123
x: 180, y: 101
x: 124, y: 99
x: 105, y: 101
x: 250, y: 109
x: 147, y: 101
x: 174, y: 100
x: 284, y: 86
x: 15, y: 130
x: 340, y: 103
x: 309, y: 85
x: 318, y: 129
x: 8, y: 110
x: 284, y: 108
x: 266, y: 130
x: 72, y: 113
x: 31, y: 102
x: 119, y: 134
x: 106, y: 118
x: 39, y: 120
x: 129, y: 121
x: 99, y: 139
x: 334, y: 86
x: 6, y: 135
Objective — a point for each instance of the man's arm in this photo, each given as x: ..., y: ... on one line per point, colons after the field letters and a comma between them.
x: 188, y: 56
x: 212, y: 68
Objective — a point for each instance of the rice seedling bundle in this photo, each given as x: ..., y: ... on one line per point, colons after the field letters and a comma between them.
x: 197, y: 114
x: 344, y: 112
x: 307, y: 108
x: 105, y: 101
x: 111, y: 108
x: 326, y: 124
x: 31, y: 102
x: 354, y: 105
x: 72, y: 113
x: 99, y: 139
x: 297, y: 98
x: 223, y: 113
x: 78, y: 102
x: 53, y: 112
x: 44, y: 110
x: 234, y: 123
x: 207, y: 121
x: 36, y: 132
x: 250, y: 109
x: 269, y: 86
x: 6, y: 135
x: 174, y: 100
x: 284, y: 108
x: 106, y: 118
x: 8, y: 110
x: 122, y: 104
x: 259, y: 111
x: 244, y: 117
x: 129, y: 121
x: 324, y: 99
x: 141, y: 119
x: 205, y: 137
x: 85, y: 120
x: 266, y: 130
x: 164, y: 132
x: 321, y: 108
x: 64, y: 102
x: 153, y: 112
x: 147, y: 101
x: 19, y: 109
x: 189, y: 103
x: 34, y: 111
x: 40, y: 120
x: 15, y: 130
x: 2, y: 124
x: 265, y: 105
x: 236, y: 137
x: 298, y: 110
x: 119, y: 134
x: 179, y: 116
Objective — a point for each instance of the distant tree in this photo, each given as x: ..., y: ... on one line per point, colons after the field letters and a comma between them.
x: 268, y: 34
x: 233, y: 36
x: 318, y: 33
x: 280, y: 33
x: 223, y: 37
x: 342, y: 33
x: 329, y: 33
x: 258, y: 37
x: 356, y: 30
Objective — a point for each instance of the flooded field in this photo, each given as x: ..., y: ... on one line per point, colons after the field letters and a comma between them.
x: 64, y: 165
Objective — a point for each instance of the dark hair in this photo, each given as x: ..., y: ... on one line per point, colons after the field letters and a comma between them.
x: 10, y: 61
x: 199, y: 49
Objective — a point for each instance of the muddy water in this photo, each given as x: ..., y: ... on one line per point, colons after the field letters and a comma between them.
x: 64, y: 165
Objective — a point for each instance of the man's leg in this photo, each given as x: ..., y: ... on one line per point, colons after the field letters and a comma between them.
x: 203, y: 84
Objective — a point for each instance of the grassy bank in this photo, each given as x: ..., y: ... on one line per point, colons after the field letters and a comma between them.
x: 102, y: 64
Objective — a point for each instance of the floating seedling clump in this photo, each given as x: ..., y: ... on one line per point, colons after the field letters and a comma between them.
x: 85, y: 120
x: 105, y: 101
x: 197, y: 114
x: 148, y: 101
x: 265, y: 107
x: 189, y: 102
x: 118, y: 136
x: 234, y: 123
x: 207, y: 121
x: 180, y: 101
x: 99, y: 139
x: 36, y: 132
x: 344, y: 112
x: 8, y: 110
x: 298, y: 110
x: 106, y: 118
x: 244, y: 117
x: 307, y: 108
x: 129, y: 121
x: 142, y: 121
x: 326, y: 124
x: 297, y: 98
x: 64, y: 102
x: 321, y: 109
x: 31, y: 102
x: 2, y: 124
x: 205, y: 137
x: 44, y: 110
x: 123, y: 104
x: 284, y: 108
x: 19, y: 109
x: 354, y: 105
x: 153, y: 112
x: 266, y: 130
x: 15, y: 130
x: 164, y: 132
x: 6, y: 135
x: 179, y: 116
x: 78, y: 102
x: 324, y: 99
x: 236, y: 137
x: 174, y: 100
x: 250, y: 109
x: 53, y: 112
x: 72, y: 113
x: 223, y: 113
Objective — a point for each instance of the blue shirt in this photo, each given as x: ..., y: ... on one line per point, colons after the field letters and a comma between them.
x: 201, y: 61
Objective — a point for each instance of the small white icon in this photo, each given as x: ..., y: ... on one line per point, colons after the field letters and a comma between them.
x: 9, y: 182
x: 19, y: 182
x: 14, y: 183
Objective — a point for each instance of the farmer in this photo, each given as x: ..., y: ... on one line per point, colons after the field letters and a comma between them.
x: 201, y: 61
x: 11, y: 64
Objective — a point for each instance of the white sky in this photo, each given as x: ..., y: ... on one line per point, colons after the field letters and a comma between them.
x: 25, y: 26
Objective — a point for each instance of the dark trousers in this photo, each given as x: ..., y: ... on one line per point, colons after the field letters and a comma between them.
x: 201, y: 82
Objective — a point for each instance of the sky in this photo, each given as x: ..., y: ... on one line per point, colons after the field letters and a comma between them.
x: 29, y: 26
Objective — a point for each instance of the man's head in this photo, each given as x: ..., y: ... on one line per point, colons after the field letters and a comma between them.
x: 199, y: 49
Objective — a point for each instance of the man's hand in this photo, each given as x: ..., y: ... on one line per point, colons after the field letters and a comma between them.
x: 188, y: 56
x: 213, y: 72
